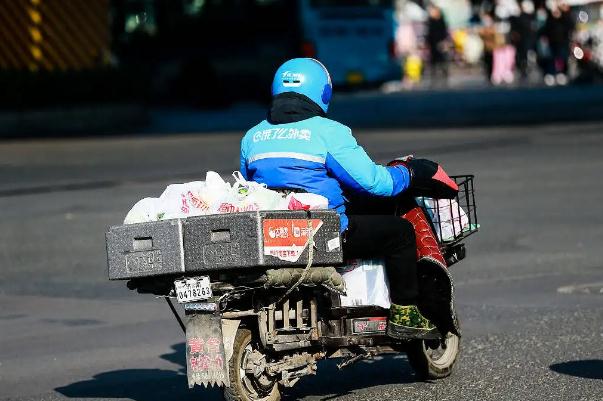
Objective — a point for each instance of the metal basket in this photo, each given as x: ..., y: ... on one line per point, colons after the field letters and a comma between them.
x: 453, y: 219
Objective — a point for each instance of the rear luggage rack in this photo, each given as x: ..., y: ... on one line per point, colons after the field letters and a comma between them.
x: 453, y: 219
x: 218, y: 242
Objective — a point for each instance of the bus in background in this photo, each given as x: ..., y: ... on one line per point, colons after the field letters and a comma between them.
x: 213, y: 52
x: 354, y: 39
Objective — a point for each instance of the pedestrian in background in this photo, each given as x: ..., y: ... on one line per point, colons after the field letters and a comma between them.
x: 522, y: 36
x: 558, y: 30
x: 437, y: 40
x: 488, y: 34
x: 543, y: 50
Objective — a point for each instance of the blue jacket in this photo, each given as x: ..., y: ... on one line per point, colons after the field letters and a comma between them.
x: 316, y: 155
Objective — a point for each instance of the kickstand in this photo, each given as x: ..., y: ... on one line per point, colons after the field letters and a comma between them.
x: 169, y: 302
x: 354, y: 359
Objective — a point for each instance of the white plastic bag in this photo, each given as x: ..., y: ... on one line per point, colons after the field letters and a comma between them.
x: 183, y: 200
x: 215, y: 196
x: 366, y: 283
x: 255, y: 196
x: 218, y: 194
x: 306, y: 201
x: 448, y: 218
x: 143, y: 211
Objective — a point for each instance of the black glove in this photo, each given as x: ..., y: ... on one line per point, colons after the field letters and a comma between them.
x: 428, y: 178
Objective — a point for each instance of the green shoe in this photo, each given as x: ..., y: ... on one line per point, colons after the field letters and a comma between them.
x: 405, y: 321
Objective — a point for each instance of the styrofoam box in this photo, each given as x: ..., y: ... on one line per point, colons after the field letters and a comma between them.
x: 145, y: 249
x: 222, y: 242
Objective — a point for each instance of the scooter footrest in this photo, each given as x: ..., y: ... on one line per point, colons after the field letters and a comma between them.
x: 358, y: 311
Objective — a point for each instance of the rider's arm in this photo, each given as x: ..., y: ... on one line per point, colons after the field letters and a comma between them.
x: 353, y: 168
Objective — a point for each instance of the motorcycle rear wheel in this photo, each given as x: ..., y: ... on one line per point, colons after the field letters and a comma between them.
x: 244, y: 386
x: 430, y: 360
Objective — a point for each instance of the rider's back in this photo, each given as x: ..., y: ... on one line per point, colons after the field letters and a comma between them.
x: 316, y: 155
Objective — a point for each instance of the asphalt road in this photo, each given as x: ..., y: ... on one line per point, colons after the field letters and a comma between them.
x: 530, y: 293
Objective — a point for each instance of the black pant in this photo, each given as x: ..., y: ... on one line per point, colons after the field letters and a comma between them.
x: 438, y: 66
x: 488, y: 65
x: 390, y: 237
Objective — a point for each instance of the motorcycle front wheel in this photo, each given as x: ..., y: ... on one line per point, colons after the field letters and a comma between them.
x: 432, y: 359
x: 245, y: 386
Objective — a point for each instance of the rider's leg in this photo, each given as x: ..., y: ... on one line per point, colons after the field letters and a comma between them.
x: 393, y: 238
x: 390, y: 237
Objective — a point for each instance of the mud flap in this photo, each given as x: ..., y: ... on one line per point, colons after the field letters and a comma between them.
x: 432, y: 267
x: 439, y: 284
x: 206, y: 362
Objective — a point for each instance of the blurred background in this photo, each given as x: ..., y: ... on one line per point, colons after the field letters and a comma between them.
x: 212, y: 54
x: 105, y: 102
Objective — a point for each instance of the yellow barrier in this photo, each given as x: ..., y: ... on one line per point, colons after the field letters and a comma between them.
x: 54, y: 34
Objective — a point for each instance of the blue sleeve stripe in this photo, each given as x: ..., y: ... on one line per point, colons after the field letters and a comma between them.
x: 401, y: 177
x: 343, y: 176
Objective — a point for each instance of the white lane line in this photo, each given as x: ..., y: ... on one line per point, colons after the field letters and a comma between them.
x: 589, y: 288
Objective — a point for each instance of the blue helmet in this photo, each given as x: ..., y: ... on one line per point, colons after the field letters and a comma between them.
x: 306, y: 76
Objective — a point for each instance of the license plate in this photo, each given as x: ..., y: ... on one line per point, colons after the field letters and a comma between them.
x: 369, y: 325
x: 193, y: 289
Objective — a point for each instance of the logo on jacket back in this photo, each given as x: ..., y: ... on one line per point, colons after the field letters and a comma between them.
x: 292, y: 79
x: 282, y: 133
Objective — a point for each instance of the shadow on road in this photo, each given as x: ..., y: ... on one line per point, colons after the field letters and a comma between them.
x: 177, y: 357
x: 137, y: 385
x: 331, y: 383
x: 161, y: 385
x: 142, y: 384
x: 587, y: 369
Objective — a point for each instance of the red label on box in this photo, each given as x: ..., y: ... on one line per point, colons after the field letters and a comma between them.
x: 369, y: 325
x: 286, y: 239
